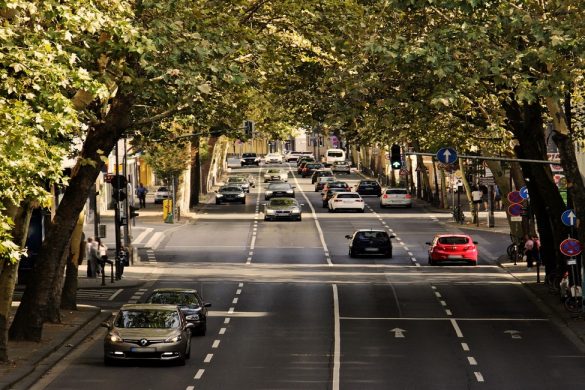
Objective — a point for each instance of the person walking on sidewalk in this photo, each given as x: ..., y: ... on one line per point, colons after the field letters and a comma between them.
x: 529, y: 251
x: 91, y: 261
x: 141, y: 192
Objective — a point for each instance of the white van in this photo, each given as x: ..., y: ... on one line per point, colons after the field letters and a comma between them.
x: 333, y: 155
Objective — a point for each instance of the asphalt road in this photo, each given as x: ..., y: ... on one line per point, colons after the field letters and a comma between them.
x: 291, y: 310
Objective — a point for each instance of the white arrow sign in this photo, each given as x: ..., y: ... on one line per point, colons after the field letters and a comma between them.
x: 515, y: 334
x: 398, y: 333
x: 572, y: 217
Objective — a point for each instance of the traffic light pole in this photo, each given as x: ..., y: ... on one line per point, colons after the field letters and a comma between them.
x: 117, y: 213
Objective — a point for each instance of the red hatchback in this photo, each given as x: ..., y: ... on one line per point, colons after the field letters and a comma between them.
x: 452, y: 248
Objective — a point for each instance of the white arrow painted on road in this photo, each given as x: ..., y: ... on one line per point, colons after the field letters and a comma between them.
x: 398, y: 333
x: 514, y: 333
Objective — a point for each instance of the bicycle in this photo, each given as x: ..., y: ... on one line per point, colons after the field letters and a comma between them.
x: 458, y: 215
x: 515, y: 250
x: 572, y: 296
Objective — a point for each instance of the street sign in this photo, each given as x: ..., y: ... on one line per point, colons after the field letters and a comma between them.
x: 447, y: 155
x: 571, y: 247
x: 524, y: 192
x: 516, y: 218
x: 569, y: 218
x: 515, y: 197
x: 487, y: 181
x: 515, y: 209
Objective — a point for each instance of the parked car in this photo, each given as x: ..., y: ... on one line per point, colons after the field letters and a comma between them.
x: 309, y: 168
x: 368, y: 187
x: 337, y: 184
x: 328, y: 194
x: 189, y: 302
x: 278, y: 190
x: 320, y: 183
x: 161, y: 194
x: 250, y: 159
x: 341, y: 167
x: 282, y: 208
x: 241, y: 181
x: 370, y: 242
x: 346, y: 201
x: 275, y: 174
x: 396, y: 197
x: 230, y: 193
x: 320, y: 173
x: 452, y: 248
x: 148, y: 332
x: 273, y: 158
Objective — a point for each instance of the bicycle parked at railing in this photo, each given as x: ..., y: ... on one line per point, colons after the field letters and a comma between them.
x: 515, y: 250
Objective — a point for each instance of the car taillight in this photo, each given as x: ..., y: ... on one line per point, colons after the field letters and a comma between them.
x: 385, y: 196
x: 338, y: 200
x: 408, y: 196
x: 359, y: 200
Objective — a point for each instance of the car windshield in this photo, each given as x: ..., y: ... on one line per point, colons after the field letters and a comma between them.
x: 230, y: 189
x: 368, y: 184
x: 273, y: 171
x: 282, y: 202
x: 279, y: 186
x: 335, y: 154
x: 174, y: 298
x: 236, y: 179
x: 453, y: 240
x: 163, y: 189
x: 161, y: 319
x: 338, y: 184
x: 371, y: 235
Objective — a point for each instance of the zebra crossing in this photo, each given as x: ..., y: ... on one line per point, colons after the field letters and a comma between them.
x: 148, y: 238
x: 98, y: 294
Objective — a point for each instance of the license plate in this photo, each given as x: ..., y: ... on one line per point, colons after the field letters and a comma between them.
x: 455, y: 257
x: 144, y: 349
x: 371, y: 249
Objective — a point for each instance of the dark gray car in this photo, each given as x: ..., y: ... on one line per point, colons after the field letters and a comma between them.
x: 231, y: 193
x: 282, y: 208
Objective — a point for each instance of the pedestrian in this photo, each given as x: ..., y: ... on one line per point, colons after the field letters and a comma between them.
x: 102, y: 252
x: 484, y: 196
x: 91, y: 266
x: 141, y: 192
x: 476, y: 197
x: 536, y: 250
x: 528, y: 250
x: 498, y: 198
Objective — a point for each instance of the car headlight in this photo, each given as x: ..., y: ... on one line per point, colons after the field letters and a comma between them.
x: 219, y: 195
x: 296, y: 210
x: 192, y: 317
x: 173, y: 339
x: 289, y: 191
x: 268, y: 192
x: 241, y: 195
x: 270, y: 212
x: 115, y: 338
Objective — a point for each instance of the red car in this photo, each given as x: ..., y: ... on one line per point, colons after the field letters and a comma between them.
x: 452, y: 248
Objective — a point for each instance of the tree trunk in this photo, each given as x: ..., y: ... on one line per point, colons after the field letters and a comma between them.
x: 28, y: 321
x: 9, y: 271
x: 53, y: 306
x: 195, y: 172
x: 76, y: 254
x: 545, y: 200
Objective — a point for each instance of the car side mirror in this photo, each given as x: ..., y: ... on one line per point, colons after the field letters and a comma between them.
x: 475, y: 242
x: 348, y: 236
x: 428, y: 243
x: 392, y: 236
x: 207, y: 304
x: 106, y: 324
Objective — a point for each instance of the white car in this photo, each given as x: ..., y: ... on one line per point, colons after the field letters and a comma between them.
x: 275, y: 175
x: 273, y: 158
x: 395, y: 197
x: 161, y: 194
x: 346, y: 201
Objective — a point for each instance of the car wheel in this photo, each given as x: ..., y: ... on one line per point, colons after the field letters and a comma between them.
x: 329, y: 209
x: 181, y: 360
x: 202, y: 330
x: 362, y: 210
x: 244, y: 201
x: 266, y: 219
x: 188, y: 351
x: 299, y: 218
x: 352, y: 253
x: 217, y: 202
x: 108, y: 361
x: 325, y: 204
x: 266, y: 198
x: 432, y: 262
x: 388, y: 255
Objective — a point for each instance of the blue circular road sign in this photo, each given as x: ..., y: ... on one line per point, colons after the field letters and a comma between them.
x: 447, y: 155
x: 569, y: 218
x: 571, y: 247
x: 524, y: 192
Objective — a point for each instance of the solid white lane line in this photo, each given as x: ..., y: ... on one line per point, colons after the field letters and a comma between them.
x: 465, y: 347
x: 222, y: 331
x: 457, y: 328
x: 115, y: 294
x: 472, y: 361
x: 199, y: 374
x: 478, y: 376
x: 216, y: 344
x: 208, y: 358
x: 234, y: 301
x: 238, y: 291
x: 337, y: 342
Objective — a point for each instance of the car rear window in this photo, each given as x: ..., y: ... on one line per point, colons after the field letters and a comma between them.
x: 397, y: 192
x: 313, y: 166
x: 279, y: 187
x: 453, y: 240
x: 368, y: 184
x: 371, y: 235
x: 348, y: 196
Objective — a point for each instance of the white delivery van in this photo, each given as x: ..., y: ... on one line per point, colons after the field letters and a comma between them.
x: 333, y: 155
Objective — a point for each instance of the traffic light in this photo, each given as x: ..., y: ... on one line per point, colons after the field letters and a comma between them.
x: 133, y: 213
x: 395, y: 157
x: 119, y: 187
x: 249, y: 128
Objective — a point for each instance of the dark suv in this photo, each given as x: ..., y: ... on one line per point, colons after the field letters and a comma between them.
x: 250, y: 159
x: 369, y: 187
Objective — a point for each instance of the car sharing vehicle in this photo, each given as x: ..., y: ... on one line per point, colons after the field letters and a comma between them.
x: 275, y: 175
x: 396, y: 197
x: 148, y: 332
x: 279, y: 190
x: 282, y: 208
x: 370, y: 242
x: 452, y: 248
x: 189, y: 301
x: 230, y: 193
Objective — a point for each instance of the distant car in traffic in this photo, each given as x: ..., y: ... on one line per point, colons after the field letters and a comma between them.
x: 368, y: 187
x: 250, y: 159
x: 346, y: 201
x: 328, y: 194
x: 309, y: 168
x: 273, y: 158
x: 230, y: 193
x: 320, y: 173
x: 341, y: 167
x: 275, y: 175
x: 321, y: 181
x: 395, y: 197
x: 241, y: 181
x: 279, y: 190
x: 370, y: 242
x: 161, y: 194
x: 189, y: 302
x: 148, y: 332
x: 452, y: 248
x: 282, y: 208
